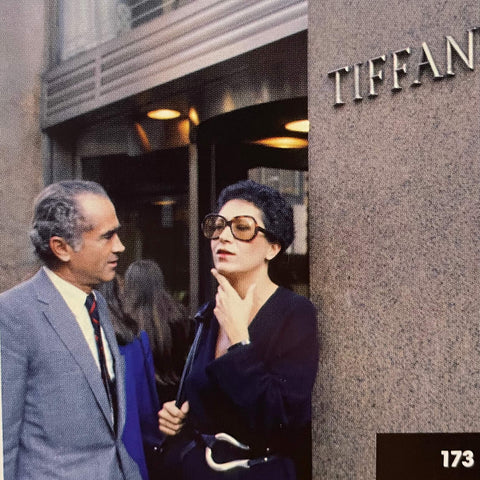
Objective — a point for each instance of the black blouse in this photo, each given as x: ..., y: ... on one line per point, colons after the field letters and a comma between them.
x: 260, y: 393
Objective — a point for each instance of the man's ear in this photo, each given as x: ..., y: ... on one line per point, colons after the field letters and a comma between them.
x: 60, y: 248
x: 273, y: 251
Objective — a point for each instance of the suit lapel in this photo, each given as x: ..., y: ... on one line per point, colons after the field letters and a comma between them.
x: 65, y: 325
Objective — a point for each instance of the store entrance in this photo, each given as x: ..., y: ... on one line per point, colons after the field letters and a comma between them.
x: 232, y: 147
x: 151, y: 196
x: 162, y: 195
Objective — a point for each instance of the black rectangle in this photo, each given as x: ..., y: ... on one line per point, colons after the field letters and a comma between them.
x: 428, y: 456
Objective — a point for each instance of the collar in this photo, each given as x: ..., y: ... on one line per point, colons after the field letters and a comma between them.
x: 73, y: 296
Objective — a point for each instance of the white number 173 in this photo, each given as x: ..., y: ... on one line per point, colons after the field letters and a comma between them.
x: 453, y: 458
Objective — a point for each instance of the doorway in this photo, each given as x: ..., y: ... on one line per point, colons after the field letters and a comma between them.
x: 229, y: 151
x: 151, y: 196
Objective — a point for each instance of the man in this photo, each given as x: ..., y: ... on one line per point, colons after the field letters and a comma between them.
x: 62, y: 374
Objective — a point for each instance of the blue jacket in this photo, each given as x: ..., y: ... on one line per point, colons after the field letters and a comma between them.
x: 141, y: 425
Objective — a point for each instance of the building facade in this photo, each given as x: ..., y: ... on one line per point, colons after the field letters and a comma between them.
x: 389, y: 187
x: 395, y: 236
x: 23, y: 46
x: 234, y: 71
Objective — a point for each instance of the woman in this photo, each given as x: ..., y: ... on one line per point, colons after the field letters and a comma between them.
x: 257, y: 356
x: 140, y: 435
x: 165, y: 321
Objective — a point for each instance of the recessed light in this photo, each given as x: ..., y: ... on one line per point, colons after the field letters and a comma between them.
x: 298, y: 126
x: 165, y: 202
x: 282, y: 142
x: 163, y: 114
x: 143, y: 137
x: 193, y: 116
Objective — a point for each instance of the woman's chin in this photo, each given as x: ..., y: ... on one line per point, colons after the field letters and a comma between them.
x: 222, y: 270
x: 225, y: 271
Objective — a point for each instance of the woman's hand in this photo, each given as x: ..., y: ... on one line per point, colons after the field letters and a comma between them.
x: 233, y: 312
x: 171, y: 418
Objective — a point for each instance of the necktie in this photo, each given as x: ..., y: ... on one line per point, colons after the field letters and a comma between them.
x: 91, y: 305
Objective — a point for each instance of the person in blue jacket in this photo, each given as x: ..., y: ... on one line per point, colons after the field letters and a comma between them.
x: 168, y: 326
x: 140, y: 436
x: 247, y: 412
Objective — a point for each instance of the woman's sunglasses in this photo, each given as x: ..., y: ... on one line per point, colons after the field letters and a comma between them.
x: 243, y: 227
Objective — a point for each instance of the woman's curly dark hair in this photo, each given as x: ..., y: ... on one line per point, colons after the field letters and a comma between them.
x: 276, y: 212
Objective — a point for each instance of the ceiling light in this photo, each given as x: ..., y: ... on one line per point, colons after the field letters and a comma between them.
x: 164, y: 202
x: 143, y: 137
x: 163, y: 114
x: 282, y: 142
x: 193, y: 116
x: 298, y: 126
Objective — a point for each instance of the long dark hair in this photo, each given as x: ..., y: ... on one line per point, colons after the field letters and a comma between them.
x: 164, y: 319
x: 125, y: 327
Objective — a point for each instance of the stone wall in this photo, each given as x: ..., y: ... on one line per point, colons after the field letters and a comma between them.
x: 22, y: 54
x: 394, y: 225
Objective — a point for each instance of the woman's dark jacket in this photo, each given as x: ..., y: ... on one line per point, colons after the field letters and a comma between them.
x: 259, y: 393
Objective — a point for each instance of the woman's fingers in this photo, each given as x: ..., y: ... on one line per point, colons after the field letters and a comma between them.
x: 167, y: 430
x: 185, y: 408
x: 222, y: 281
x: 171, y: 418
x: 232, y: 311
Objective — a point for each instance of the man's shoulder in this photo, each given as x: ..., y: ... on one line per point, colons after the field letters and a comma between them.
x: 23, y: 289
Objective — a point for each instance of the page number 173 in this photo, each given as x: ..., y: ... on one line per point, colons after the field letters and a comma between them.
x: 456, y: 458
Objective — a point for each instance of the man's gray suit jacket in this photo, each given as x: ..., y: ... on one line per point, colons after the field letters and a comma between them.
x: 57, y: 422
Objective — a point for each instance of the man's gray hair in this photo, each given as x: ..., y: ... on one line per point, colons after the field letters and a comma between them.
x: 57, y: 213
